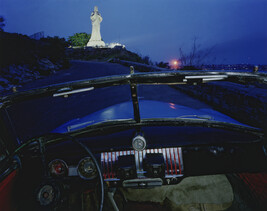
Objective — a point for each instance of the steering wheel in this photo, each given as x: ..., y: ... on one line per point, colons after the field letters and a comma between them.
x: 48, y: 190
x: 98, y: 171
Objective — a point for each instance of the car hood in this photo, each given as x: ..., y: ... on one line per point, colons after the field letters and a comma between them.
x: 148, y: 109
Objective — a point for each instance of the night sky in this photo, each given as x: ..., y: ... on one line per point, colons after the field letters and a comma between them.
x: 235, y: 29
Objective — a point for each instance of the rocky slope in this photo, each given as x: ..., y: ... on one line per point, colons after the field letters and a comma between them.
x: 104, y: 54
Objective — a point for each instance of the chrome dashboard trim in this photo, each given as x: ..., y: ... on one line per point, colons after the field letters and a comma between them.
x: 172, y: 157
x: 142, y: 183
x: 73, y: 171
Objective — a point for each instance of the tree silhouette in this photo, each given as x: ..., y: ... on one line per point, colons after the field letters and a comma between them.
x: 79, y: 39
x: 163, y: 65
x: 195, y: 57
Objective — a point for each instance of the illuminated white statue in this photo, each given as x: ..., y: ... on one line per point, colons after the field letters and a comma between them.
x: 95, y: 40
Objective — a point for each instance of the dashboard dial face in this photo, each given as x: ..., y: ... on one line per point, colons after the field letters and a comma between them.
x: 87, y: 169
x: 139, y: 143
x: 46, y: 195
x: 58, y: 168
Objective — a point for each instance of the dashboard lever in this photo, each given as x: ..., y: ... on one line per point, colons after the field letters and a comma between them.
x: 111, y: 193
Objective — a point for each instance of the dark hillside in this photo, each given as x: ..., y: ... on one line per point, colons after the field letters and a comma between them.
x: 17, y: 49
x: 105, y: 54
x: 23, y: 59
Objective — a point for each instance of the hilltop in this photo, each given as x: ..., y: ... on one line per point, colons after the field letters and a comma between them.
x: 23, y: 59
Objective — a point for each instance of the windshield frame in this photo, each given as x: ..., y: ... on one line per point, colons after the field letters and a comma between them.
x: 150, y: 78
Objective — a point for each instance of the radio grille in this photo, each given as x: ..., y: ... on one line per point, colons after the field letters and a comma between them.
x: 172, y: 158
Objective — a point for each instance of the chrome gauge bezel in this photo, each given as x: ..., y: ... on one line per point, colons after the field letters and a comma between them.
x: 137, y: 145
x: 58, y: 175
x: 50, y: 191
x: 83, y: 175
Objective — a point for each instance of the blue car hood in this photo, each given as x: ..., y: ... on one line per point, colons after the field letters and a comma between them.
x: 148, y: 109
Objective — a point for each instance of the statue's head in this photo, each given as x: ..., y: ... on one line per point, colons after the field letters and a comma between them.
x: 96, y: 9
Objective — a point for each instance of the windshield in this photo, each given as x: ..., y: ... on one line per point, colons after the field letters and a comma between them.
x: 39, y: 116
x: 65, y: 112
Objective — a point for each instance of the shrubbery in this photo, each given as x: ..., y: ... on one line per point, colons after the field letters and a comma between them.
x: 79, y: 39
x: 2, y: 23
x: 163, y: 65
x: 17, y: 49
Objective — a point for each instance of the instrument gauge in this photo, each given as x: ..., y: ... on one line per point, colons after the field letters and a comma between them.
x: 87, y: 169
x: 58, y: 168
x: 139, y: 143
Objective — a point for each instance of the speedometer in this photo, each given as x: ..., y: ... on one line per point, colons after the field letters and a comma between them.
x: 87, y: 169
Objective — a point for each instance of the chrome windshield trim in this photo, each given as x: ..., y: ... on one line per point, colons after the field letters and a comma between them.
x: 73, y: 92
x: 166, y: 78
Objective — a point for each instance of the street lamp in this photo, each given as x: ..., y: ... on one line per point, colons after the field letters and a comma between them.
x: 174, y: 64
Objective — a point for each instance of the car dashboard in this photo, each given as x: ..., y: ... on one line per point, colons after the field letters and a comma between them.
x: 138, y: 161
x: 128, y: 168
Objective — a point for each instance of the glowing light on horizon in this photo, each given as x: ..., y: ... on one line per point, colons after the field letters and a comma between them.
x: 175, y: 64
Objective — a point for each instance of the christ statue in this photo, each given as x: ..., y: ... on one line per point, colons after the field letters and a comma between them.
x: 95, y: 40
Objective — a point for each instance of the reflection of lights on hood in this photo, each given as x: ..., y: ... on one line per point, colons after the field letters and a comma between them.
x: 172, y: 105
x: 108, y: 114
